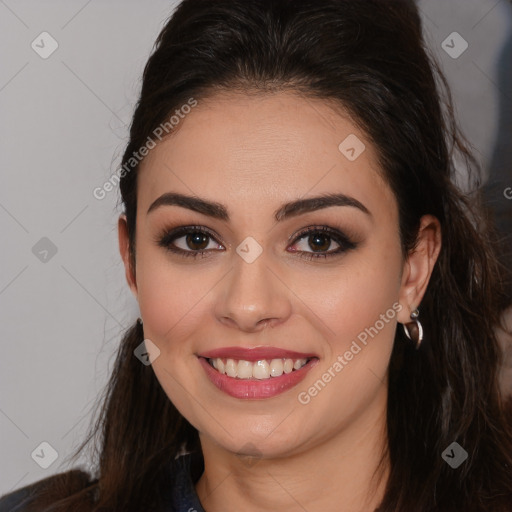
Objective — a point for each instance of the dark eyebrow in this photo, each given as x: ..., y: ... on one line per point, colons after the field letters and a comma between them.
x: 317, y: 203
x: 219, y: 211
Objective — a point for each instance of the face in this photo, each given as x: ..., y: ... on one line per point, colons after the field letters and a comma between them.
x: 248, y: 284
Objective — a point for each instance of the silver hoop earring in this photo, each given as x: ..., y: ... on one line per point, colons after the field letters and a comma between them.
x: 416, y: 327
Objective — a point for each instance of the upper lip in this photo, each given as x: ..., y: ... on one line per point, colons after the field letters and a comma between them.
x: 255, y: 354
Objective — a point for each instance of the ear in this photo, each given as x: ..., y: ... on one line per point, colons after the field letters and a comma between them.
x: 124, y: 249
x: 419, y: 265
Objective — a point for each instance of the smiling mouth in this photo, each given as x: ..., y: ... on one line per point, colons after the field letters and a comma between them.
x: 257, y: 370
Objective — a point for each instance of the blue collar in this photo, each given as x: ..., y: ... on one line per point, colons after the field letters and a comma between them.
x: 182, y: 496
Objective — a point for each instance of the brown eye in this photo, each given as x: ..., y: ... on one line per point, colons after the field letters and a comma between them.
x: 319, y: 242
x: 319, y: 239
x: 197, y: 241
x: 189, y: 241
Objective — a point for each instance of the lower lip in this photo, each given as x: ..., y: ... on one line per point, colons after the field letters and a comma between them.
x: 255, y: 389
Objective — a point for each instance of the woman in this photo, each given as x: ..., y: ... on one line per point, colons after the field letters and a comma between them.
x: 288, y: 203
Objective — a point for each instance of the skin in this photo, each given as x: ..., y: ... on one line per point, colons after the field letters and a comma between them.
x: 252, y: 153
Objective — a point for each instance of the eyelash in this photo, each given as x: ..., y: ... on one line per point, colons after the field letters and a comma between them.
x: 345, y: 243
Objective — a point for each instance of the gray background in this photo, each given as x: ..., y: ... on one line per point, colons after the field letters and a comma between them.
x: 63, y: 128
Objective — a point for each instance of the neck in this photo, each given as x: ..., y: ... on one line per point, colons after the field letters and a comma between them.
x: 340, y: 474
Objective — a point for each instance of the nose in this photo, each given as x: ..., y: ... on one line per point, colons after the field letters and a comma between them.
x: 252, y: 296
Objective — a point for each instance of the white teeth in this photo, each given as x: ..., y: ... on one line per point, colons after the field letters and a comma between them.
x: 231, y: 368
x: 262, y: 369
x: 299, y: 363
x: 276, y: 367
x: 244, y: 370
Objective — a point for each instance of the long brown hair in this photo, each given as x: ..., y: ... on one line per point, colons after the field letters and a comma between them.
x: 370, y: 57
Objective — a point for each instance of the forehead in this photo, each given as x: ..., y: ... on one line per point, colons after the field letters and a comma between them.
x: 257, y: 150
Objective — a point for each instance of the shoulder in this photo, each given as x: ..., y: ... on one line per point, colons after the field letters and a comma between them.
x: 15, y: 501
x: 179, y: 496
x: 47, y: 490
x: 18, y: 500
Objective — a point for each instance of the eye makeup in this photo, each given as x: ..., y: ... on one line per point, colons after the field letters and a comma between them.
x: 321, y: 236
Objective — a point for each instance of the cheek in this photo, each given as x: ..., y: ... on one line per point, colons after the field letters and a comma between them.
x: 171, y: 297
x: 361, y: 314
x: 173, y: 300
x: 352, y: 297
